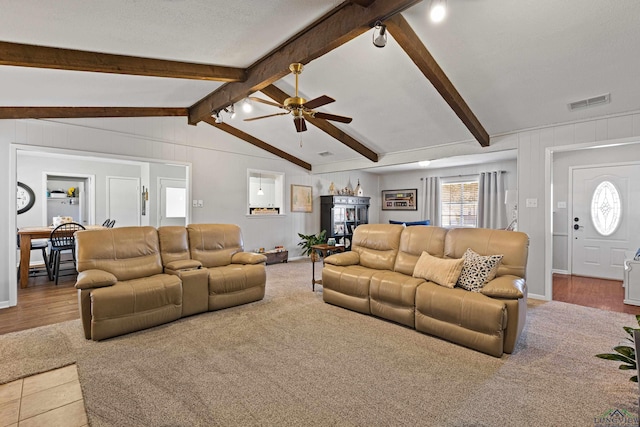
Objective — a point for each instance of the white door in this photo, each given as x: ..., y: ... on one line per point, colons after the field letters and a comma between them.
x: 605, y: 218
x: 123, y: 200
x: 173, y: 202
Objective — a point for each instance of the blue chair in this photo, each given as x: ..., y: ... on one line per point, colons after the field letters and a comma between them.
x: 410, y: 223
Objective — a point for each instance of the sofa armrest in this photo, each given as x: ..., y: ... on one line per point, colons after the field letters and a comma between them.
x: 247, y: 258
x: 507, y: 286
x: 343, y: 259
x: 89, y: 279
x: 183, y: 264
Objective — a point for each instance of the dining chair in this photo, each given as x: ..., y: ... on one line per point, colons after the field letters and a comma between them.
x: 111, y: 223
x: 38, y: 244
x: 106, y: 222
x: 62, y: 239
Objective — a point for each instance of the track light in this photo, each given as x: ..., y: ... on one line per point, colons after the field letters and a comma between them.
x: 246, y: 106
x: 231, y: 110
x: 438, y: 10
x: 380, y: 35
x: 216, y: 115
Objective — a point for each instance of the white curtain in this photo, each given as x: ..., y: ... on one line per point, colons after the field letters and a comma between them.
x: 492, y: 212
x: 431, y: 204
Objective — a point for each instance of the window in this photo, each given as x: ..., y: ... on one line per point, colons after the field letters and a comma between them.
x: 606, y: 208
x: 265, y: 192
x: 459, y: 204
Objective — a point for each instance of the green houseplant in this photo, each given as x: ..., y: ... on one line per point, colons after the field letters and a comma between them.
x: 309, y: 240
x: 625, y: 353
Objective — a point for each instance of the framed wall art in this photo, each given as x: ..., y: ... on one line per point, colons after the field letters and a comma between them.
x: 400, y: 200
x: 301, y: 198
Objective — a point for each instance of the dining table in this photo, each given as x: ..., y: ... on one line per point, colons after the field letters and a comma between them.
x: 30, y: 233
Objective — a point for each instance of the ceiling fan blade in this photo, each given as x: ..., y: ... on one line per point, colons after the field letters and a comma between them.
x: 264, y: 101
x: 326, y: 116
x: 318, y: 102
x: 300, y: 124
x: 264, y: 117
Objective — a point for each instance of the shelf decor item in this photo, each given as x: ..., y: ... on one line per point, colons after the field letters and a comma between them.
x: 301, y: 198
x: 400, y: 200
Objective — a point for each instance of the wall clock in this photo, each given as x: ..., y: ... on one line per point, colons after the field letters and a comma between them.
x: 25, y: 198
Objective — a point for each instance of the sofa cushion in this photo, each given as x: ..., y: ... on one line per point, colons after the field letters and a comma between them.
x: 126, y: 252
x: 508, y: 287
x: 377, y: 245
x: 477, y: 270
x: 214, y: 244
x: 136, y: 296
x: 392, y: 296
x: 414, y: 241
x: 444, y: 272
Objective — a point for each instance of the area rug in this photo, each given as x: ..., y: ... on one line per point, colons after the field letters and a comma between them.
x: 292, y: 360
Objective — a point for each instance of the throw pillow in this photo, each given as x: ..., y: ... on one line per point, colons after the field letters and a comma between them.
x: 444, y: 272
x: 477, y: 270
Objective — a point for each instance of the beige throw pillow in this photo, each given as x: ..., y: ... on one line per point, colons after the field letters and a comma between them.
x: 444, y: 272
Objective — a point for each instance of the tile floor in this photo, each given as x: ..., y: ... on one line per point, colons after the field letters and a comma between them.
x: 49, y: 399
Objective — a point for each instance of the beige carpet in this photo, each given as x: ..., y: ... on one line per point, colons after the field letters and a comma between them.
x: 292, y: 360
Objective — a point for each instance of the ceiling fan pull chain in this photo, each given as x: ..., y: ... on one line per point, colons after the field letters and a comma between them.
x: 300, y: 135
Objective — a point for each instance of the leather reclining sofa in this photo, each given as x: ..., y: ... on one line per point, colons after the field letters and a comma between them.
x: 132, y: 278
x: 376, y: 277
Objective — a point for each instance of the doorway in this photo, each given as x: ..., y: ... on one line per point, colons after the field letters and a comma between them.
x: 172, y: 209
x: 601, y: 219
x: 123, y: 200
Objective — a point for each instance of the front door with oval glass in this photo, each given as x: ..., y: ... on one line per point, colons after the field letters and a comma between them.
x: 604, y: 220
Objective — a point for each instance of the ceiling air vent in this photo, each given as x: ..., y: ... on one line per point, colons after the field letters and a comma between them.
x: 591, y: 102
x: 325, y: 154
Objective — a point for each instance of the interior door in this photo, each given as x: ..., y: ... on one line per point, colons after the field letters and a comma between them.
x: 604, y: 219
x: 173, y: 202
x: 123, y: 200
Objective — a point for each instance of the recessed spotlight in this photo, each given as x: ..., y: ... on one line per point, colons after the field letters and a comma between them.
x: 424, y: 163
x: 438, y: 10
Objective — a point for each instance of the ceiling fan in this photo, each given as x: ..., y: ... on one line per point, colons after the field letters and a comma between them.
x: 299, y: 107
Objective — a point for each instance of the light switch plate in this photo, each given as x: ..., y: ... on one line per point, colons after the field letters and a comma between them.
x: 532, y: 203
x: 562, y: 205
x: 194, y: 204
x: 200, y: 203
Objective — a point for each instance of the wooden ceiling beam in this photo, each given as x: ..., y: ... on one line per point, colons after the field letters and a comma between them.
x: 344, y: 24
x: 279, y: 96
x: 86, y: 112
x: 257, y: 142
x: 24, y: 55
x: 363, y: 3
x: 404, y: 35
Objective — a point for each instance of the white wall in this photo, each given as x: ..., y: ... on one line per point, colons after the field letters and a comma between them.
x: 561, y: 163
x: 220, y: 164
x: 219, y: 174
x: 411, y: 179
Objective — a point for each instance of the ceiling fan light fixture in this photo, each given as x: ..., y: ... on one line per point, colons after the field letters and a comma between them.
x: 438, y: 10
x: 246, y: 106
x: 380, y: 35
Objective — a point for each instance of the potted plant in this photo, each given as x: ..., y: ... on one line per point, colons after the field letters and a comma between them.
x: 309, y: 240
x: 625, y: 353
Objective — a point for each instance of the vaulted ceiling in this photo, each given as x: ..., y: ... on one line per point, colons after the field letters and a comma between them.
x: 491, y: 67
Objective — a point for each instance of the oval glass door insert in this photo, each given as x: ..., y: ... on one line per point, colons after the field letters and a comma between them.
x: 606, y: 209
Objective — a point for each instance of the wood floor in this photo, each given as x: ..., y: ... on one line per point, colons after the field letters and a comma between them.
x: 44, y: 303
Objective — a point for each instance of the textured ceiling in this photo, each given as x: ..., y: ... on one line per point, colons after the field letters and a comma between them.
x: 516, y: 64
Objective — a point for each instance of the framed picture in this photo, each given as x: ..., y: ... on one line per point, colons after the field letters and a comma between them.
x: 400, y: 200
x: 301, y: 198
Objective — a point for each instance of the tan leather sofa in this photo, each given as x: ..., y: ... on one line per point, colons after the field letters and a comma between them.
x: 376, y: 278
x: 132, y: 278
